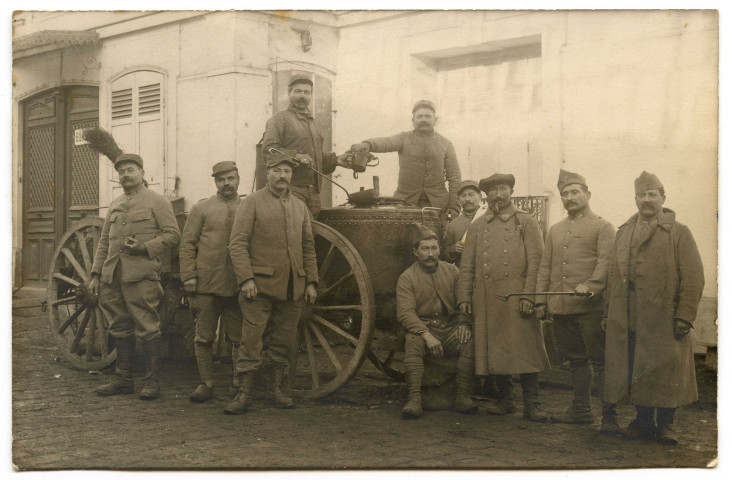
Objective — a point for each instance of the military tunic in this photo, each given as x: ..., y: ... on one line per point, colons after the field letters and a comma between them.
x: 501, y: 256
x: 204, y: 255
x: 130, y: 284
x: 425, y: 163
x: 271, y: 243
x: 293, y: 132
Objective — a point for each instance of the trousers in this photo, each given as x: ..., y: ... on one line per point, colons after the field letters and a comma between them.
x: 269, y: 332
x: 130, y: 308
x: 207, y: 309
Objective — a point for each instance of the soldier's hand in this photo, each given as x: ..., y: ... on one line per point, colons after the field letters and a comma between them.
x: 458, y: 247
x: 466, y: 307
x: 344, y: 160
x: 452, y: 213
x: 583, y: 290
x: 304, y: 159
x: 134, y: 247
x: 190, y: 285
x: 541, y: 311
x: 433, y: 345
x: 464, y: 332
x: 681, y: 328
x: 249, y: 289
x: 94, y: 284
x: 361, y: 147
x: 526, y: 307
x: 311, y: 293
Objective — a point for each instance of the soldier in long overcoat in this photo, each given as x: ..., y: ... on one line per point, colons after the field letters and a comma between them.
x: 501, y: 255
x: 655, y: 283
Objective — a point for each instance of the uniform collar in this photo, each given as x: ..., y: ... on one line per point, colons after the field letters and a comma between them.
x: 224, y: 199
x: 666, y: 219
x: 306, y: 114
x: 586, y: 212
x: 503, y: 214
x: 277, y: 195
x: 134, y: 192
x: 425, y: 135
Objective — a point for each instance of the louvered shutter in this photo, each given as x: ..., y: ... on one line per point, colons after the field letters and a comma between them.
x: 137, y: 123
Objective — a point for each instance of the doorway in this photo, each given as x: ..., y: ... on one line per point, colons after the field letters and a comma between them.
x: 60, y: 172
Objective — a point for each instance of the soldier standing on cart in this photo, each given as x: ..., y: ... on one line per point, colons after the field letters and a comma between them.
x: 273, y: 252
x: 426, y: 161
x: 140, y: 226
x: 208, y: 275
x: 295, y: 132
x: 502, y: 254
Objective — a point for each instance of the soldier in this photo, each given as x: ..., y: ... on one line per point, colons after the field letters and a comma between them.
x: 501, y: 255
x: 140, y: 226
x: 469, y: 197
x: 295, y: 132
x: 427, y: 310
x: 426, y: 161
x: 576, y: 258
x: 273, y: 252
x: 208, y: 274
x: 655, y: 284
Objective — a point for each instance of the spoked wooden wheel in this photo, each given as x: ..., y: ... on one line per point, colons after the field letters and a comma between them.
x: 335, y: 332
x: 76, y: 320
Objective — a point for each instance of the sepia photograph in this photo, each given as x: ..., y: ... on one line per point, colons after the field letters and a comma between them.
x: 275, y: 240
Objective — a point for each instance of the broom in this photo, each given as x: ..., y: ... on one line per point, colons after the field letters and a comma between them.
x: 103, y: 142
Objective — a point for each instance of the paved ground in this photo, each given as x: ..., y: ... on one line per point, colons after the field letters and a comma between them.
x: 58, y: 423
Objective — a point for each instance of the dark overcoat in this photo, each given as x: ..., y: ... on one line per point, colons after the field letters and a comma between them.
x: 668, y: 284
x: 502, y: 256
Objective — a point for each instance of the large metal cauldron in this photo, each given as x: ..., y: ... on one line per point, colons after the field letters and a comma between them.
x: 382, y: 234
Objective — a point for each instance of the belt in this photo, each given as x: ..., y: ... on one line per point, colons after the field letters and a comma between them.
x: 435, y: 321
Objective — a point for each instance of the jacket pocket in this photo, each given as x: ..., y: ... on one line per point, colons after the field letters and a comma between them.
x: 263, y: 270
x: 139, y: 216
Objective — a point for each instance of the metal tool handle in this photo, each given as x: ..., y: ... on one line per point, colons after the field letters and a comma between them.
x: 299, y: 163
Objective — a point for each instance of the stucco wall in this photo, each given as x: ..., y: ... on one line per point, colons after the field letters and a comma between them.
x: 621, y: 92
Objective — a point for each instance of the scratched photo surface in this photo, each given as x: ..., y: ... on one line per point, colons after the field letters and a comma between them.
x: 377, y: 116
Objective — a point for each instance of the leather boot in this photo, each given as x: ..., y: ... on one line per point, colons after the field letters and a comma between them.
x: 243, y: 400
x: 609, y: 424
x: 579, y: 411
x: 464, y: 380
x: 667, y: 435
x: 122, y: 381
x: 279, y: 399
x: 506, y: 398
x: 151, y: 387
x: 530, y: 387
x: 413, y: 408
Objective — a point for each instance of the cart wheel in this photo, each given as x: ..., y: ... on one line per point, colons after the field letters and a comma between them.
x: 336, y: 331
x: 76, y: 320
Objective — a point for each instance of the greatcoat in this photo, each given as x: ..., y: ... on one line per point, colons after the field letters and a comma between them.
x: 669, y: 282
x: 501, y: 256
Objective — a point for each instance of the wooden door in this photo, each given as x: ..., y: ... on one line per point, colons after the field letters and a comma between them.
x: 60, y: 172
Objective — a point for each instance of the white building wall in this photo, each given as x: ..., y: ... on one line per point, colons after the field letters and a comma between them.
x: 622, y: 92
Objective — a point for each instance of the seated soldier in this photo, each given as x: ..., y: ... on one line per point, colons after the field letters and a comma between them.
x: 427, y: 309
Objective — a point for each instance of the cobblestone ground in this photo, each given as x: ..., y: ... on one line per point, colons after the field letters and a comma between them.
x: 58, y: 423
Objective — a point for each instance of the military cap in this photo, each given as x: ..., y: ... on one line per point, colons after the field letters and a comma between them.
x: 128, y: 157
x: 497, y: 179
x: 300, y: 78
x: 569, y: 178
x: 647, y: 181
x: 277, y: 158
x: 422, y: 232
x: 222, y: 167
x: 468, y: 184
x: 424, y: 104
